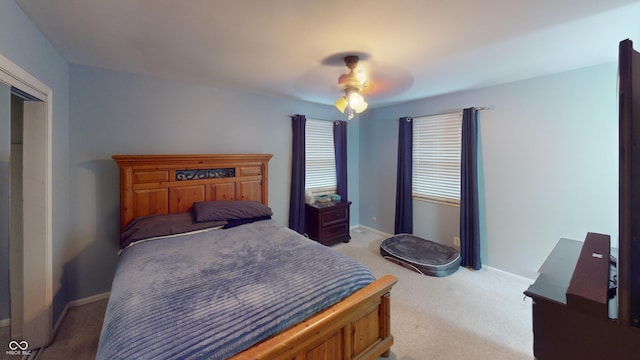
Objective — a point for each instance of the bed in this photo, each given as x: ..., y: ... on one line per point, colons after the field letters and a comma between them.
x: 216, y: 277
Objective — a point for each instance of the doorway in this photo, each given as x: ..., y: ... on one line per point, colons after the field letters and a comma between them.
x: 34, y: 322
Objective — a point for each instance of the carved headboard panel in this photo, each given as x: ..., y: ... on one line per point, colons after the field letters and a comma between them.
x: 162, y: 184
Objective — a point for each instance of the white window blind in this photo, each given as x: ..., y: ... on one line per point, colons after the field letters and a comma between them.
x: 320, y: 171
x: 437, y: 142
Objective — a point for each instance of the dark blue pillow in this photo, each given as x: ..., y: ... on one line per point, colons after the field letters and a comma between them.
x: 237, y: 222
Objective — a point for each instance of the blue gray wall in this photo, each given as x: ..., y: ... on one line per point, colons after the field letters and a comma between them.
x: 548, y: 166
x: 116, y: 113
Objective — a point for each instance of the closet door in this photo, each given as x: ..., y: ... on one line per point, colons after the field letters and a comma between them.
x: 5, y: 208
x: 37, y: 283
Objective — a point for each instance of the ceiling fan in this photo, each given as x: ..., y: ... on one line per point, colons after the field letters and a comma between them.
x: 352, y: 83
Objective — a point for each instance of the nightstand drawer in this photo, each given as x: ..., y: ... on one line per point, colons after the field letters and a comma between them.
x: 333, y: 232
x: 334, y: 215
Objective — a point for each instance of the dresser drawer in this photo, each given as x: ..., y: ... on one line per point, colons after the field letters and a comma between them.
x: 334, y: 215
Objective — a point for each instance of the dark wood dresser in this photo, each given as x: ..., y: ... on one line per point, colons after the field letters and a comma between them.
x: 328, y: 223
x: 565, y: 329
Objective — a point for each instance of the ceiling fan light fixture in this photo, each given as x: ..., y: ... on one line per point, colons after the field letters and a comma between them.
x: 341, y: 104
x: 352, y: 83
x: 355, y: 99
x: 362, y: 107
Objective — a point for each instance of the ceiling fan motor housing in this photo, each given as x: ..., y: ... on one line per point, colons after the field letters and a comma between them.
x: 350, y: 80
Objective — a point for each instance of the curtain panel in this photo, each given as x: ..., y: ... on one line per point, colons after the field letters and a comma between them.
x: 404, y: 201
x: 340, y: 146
x: 296, y: 198
x: 469, y: 208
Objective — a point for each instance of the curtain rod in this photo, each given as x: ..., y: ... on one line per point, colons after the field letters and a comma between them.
x: 483, y: 107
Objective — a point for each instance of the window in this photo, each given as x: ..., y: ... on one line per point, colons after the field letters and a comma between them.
x: 437, y: 142
x: 320, y: 171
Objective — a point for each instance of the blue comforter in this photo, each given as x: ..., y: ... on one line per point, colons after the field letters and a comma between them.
x: 212, y: 294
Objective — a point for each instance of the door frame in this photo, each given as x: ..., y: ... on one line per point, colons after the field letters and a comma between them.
x: 37, y: 298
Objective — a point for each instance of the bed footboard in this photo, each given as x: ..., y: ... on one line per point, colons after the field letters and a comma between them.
x: 358, y: 327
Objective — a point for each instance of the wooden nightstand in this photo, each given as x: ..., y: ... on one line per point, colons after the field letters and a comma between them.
x: 328, y: 223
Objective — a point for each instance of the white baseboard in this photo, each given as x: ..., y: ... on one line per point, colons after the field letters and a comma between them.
x: 381, y: 233
x: 75, y: 303
x: 5, y: 322
x: 518, y: 277
x: 90, y: 299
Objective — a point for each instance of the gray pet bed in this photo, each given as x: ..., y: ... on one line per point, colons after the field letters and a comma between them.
x: 424, y: 256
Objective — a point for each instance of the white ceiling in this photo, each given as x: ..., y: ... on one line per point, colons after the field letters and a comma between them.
x: 411, y: 48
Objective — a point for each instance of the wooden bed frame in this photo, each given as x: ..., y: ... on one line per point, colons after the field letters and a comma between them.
x: 358, y: 327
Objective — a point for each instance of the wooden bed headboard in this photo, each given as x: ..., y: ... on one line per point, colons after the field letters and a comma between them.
x: 163, y: 184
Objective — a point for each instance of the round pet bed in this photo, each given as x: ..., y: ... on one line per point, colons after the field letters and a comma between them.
x: 424, y: 256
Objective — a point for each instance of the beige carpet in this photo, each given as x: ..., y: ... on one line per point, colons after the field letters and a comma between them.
x: 467, y: 315
x: 77, y: 338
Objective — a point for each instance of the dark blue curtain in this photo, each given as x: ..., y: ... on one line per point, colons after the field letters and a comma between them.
x: 340, y: 145
x: 404, y: 202
x: 469, y: 216
x: 296, y: 198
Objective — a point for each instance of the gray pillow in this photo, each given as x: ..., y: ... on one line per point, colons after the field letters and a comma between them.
x: 146, y: 227
x: 229, y: 210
